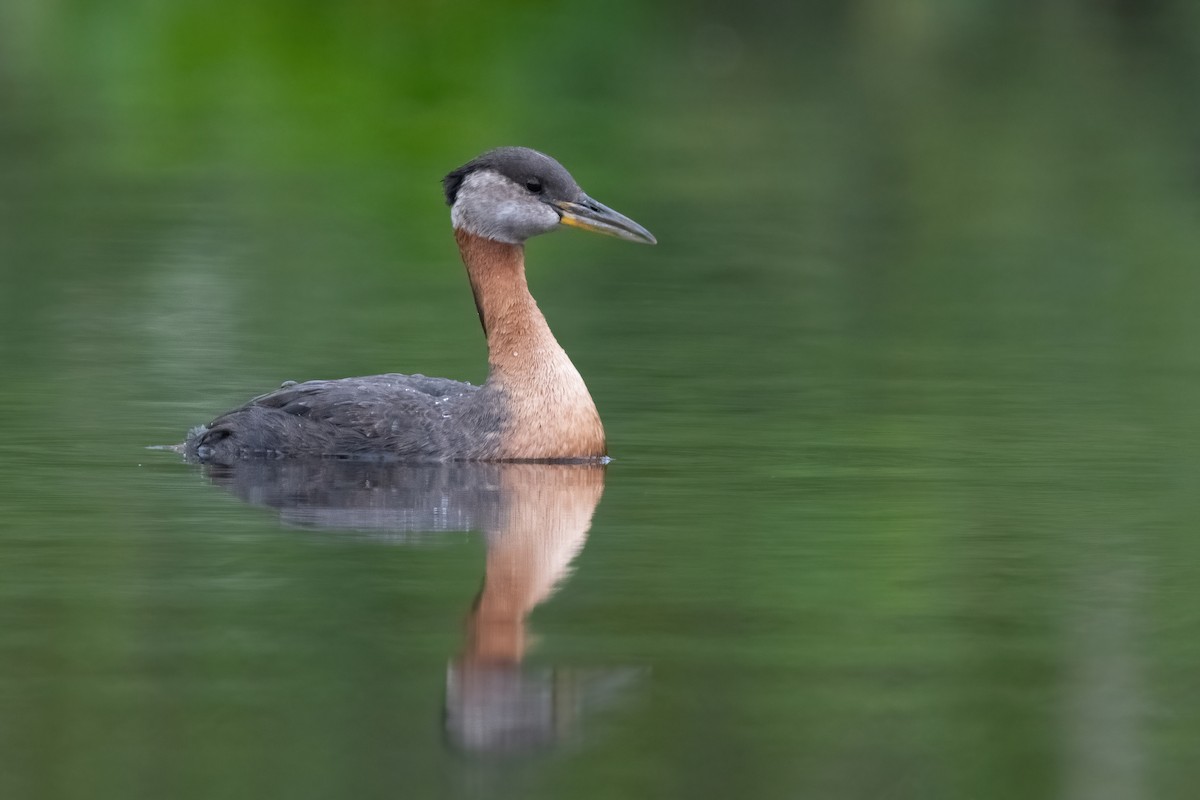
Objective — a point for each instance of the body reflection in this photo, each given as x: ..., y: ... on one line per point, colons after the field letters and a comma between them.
x: 536, y: 519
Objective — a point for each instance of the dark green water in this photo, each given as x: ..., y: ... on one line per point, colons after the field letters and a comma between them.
x: 905, y: 406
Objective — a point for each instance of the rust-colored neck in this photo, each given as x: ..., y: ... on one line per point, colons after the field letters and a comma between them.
x: 509, y: 315
x: 549, y: 412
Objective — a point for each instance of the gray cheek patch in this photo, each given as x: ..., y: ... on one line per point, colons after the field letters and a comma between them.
x: 490, y: 205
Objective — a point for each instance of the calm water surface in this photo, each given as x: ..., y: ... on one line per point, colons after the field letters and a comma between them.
x: 904, y: 410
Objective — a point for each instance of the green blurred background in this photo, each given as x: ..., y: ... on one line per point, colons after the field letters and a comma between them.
x: 905, y: 405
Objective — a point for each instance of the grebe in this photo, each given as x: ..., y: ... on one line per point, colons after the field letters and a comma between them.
x: 533, y: 406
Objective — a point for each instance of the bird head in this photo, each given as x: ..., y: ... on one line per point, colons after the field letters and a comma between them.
x: 512, y: 193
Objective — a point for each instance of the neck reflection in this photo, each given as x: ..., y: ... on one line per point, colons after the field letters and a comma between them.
x: 545, y: 514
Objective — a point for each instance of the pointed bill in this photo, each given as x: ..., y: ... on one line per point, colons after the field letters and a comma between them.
x: 590, y: 215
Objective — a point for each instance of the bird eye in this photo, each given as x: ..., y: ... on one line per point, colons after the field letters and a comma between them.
x: 534, y: 185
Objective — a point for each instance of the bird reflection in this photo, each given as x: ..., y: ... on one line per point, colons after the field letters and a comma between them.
x: 535, y: 518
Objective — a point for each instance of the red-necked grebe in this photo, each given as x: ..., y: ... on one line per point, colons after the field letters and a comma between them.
x: 533, y: 406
